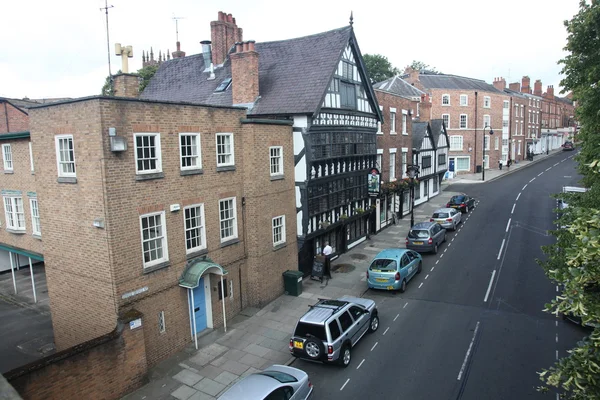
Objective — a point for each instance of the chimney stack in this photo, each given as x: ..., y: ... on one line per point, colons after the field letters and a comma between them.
x: 244, y: 73
x: 126, y: 85
x: 178, y: 53
x: 224, y: 35
x: 515, y: 86
x: 550, y: 92
x: 500, y: 83
x: 525, y: 88
x: 537, y: 87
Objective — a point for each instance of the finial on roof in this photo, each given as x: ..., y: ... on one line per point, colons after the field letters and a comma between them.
x: 351, y: 19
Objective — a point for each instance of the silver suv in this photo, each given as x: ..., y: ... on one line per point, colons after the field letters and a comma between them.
x: 329, y: 330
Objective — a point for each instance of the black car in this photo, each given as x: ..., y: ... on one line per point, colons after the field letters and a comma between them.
x: 462, y: 202
x: 568, y: 146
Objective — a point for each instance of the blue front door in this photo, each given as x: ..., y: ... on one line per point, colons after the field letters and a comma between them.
x: 200, y: 306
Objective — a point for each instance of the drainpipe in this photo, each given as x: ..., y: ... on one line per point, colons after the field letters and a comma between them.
x: 6, y: 115
x: 475, y: 145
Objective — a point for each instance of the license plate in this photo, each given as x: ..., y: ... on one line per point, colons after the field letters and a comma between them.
x: 381, y: 279
x: 454, y: 206
x: 298, y: 345
x: 417, y: 242
x: 390, y: 288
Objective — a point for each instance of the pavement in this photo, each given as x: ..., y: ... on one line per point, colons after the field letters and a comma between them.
x: 258, y: 338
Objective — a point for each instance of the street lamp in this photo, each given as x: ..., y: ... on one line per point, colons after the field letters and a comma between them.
x: 483, y: 145
x: 412, y: 171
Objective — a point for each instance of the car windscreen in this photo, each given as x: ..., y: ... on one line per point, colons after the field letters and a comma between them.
x: 280, y: 376
x: 418, y: 234
x: 457, y: 199
x: 383, y: 264
x: 306, y: 330
x: 440, y: 215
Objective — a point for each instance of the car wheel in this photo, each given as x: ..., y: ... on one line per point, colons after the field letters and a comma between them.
x: 374, y: 325
x: 313, y: 349
x: 403, y: 286
x: 345, y: 356
x: 435, y: 248
x: 420, y: 267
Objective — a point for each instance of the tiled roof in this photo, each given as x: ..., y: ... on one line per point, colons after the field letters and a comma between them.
x: 419, y: 130
x: 399, y: 86
x: 436, y: 130
x: 293, y: 75
x: 442, y: 81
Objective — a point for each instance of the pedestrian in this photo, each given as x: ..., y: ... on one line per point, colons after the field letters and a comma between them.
x: 500, y: 164
x: 508, y: 164
x: 327, y: 250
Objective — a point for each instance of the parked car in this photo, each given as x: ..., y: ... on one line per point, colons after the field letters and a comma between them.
x: 568, y: 146
x: 448, y: 218
x: 391, y: 269
x: 426, y: 237
x: 462, y: 202
x: 577, y: 320
x: 275, y: 382
x: 331, y: 328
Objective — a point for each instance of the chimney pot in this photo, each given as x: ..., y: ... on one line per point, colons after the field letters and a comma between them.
x: 245, y: 46
x: 251, y: 45
x: 221, y: 16
x: 238, y: 47
x: 229, y: 18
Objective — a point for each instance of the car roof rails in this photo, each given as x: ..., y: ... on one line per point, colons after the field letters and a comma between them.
x: 333, y: 305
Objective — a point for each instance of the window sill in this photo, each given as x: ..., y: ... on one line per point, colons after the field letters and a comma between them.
x: 195, y: 254
x: 279, y: 246
x: 36, y: 236
x: 393, y: 133
x: 226, y: 168
x: 147, y: 177
x: 156, y: 267
x: 405, y: 133
x: 445, y: 105
x: 9, y: 171
x: 380, y: 133
x: 16, y: 232
x: 66, y: 179
x: 230, y: 242
x: 277, y: 177
x: 186, y: 172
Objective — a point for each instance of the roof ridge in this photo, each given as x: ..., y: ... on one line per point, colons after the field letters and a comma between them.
x: 307, y: 36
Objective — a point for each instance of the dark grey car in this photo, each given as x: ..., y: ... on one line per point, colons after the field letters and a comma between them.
x: 426, y: 237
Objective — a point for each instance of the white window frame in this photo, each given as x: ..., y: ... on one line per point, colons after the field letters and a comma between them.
x: 393, y: 162
x: 14, y: 213
x: 458, y: 138
x: 404, y: 119
x: 496, y: 143
x: 461, y: 120
x: 446, y: 96
x: 193, y: 157
x: 486, y: 144
x: 486, y: 161
x: 278, y: 159
x: 278, y: 230
x: 157, y: 151
x: 231, y: 153
x: 448, y: 124
x: 162, y: 326
x: 506, y: 104
x: 60, y: 162
x: 162, y: 238
x: 487, y: 102
x: 199, y: 227
x: 233, y: 218
x: 392, y: 121
x: 379, y: 160
x: 466, y: 100
x: 31, y: 157
x: 456, y: 163
x: 7, y: 157
x: 404, y: 162
x: 519, y: 148
x: 379, y: 131
x: 36, y: 226
x: 487, y: 121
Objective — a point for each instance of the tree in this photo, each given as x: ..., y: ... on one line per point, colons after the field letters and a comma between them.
x: 420, y: 65
x: 573, y: 262
x: 146, y: 73
x: 379, y: 68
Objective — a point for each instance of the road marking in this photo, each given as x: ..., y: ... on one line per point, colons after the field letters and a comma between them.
x: 432, y: 268
x: 452, y: 240
x: 460, y: 229
x: 540, y: 174
x: 555, y: 164
x: 489, y: 286
x: 420, y: 285
x: 519, y: 195
x: 396, y: 317
x: 501, y: 247
x: 427, y: 276
x: 464, y: 365
x: 508, y: 224
x: 513, y: 209
x: 556, y: 323
x: 532, y: 179
x: 557, y: 338
x: 449, y: 244
x: 387, y: 329
x: 556, y: 354
x: 445, y: 250
x: 437, y: 262
x: 548, y: 169
x: 375, y: 345
x: 442, y: 255
x: 344, y: 385
x: 404, y: 306
x: 557, y: 288
x: 524, y: 187
x: 361, y: 363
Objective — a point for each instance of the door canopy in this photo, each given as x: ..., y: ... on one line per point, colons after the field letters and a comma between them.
x: 196, y: 268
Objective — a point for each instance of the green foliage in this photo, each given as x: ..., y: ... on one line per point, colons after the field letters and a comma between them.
x: 574, y: 260
x: 420, y: 65
x: 146, y: 73
x: 379, y: 68
x: 107, y: 88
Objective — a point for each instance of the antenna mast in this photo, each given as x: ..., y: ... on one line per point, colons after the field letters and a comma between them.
x: 105, y: 8
x: 177, y: 27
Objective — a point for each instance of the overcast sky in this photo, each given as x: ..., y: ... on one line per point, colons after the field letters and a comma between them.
x: 58, y: 48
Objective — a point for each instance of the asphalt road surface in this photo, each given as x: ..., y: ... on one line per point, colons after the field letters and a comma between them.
x: 471, y: 325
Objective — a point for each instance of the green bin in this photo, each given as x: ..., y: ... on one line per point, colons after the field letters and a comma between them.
x: 292, y: 282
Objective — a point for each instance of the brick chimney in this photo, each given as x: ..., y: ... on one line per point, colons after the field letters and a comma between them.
x: 178, y: 53
x: 224, y: 34
x: 537, y: 87
x: 413, y: 77
x: 244, y: 73
x: 500, y: 83
x: 126, y: 85
x: 525, y: 85
x: 550, y: 92
x: 515, y: 86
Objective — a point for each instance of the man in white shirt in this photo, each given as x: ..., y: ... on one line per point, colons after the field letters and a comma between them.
x: 327, y: 250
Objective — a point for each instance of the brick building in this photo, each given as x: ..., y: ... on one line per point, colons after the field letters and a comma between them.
x: 319, y: 84
x: 13, y: 115
x: 468, y: 107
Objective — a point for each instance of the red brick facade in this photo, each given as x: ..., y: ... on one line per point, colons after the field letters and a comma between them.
x: 224, y: 34
x: 12, y: 118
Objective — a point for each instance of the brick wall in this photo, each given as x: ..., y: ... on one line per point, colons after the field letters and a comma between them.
x: 107, y: 367
x: 126, y: 85
x: 12, y: 119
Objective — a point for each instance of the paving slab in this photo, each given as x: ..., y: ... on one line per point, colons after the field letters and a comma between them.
x: 210, y: 387
x: 254, y: 361
x: 234, y: 354
x: 187, y: 377
x: 226, y: 378
x: 211, y: 371
x: 201, y: 396
x: 183, y: 392
x: 234, y: 367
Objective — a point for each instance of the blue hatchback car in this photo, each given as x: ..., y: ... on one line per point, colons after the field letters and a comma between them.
x: 391, y: 269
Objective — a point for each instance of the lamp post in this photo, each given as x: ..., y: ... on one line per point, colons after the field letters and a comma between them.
x: 483, y: 152
x: 412, y: 171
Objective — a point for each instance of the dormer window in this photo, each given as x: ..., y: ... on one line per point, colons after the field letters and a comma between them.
x: 223, y: 86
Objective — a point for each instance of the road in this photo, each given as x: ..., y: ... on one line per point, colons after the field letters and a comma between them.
x: 471, y: 325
